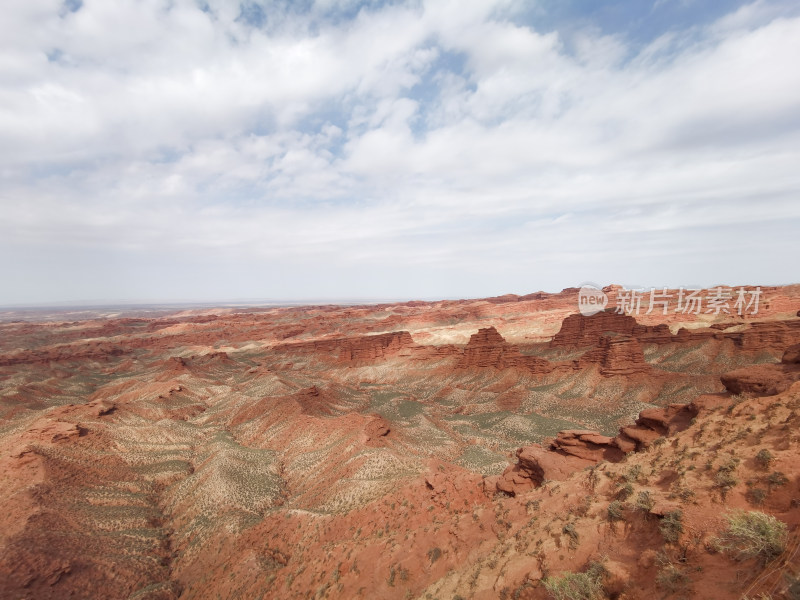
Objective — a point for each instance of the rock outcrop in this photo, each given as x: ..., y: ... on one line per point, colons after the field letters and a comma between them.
x: 587, y: 445
x: 94, y: 350
x: 535, y: 464
x: 352, y: 349
x: 578, y: 331
x: 573, y: 450
x: 489, y: 349
x: 792, y: 355
x: 617, y: 355
x: 376, y: 431
x: 765, y: 380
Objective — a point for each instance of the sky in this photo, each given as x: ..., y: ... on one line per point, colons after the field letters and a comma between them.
x: 210, y: 150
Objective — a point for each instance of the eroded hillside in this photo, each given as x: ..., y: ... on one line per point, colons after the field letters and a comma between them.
x: 417, y: 450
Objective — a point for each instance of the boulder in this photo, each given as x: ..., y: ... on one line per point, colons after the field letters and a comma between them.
x: 588, y: 445
x: 667, y: 420
x: 376, y: 430
x: 759, y: 380
x: 792, y: 355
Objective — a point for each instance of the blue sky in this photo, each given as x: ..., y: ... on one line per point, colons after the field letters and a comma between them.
x: 155, y: 150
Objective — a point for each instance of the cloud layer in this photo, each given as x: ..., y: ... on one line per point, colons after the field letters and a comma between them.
x: 180, y: 150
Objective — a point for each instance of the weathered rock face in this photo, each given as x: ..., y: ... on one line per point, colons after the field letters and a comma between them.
x: 93, y: 350
x: 488, y: 349
x: 667, y: 420
x: 535, y: 464
x: 792, y: 355
x: 617, y: 355
x: 769, y: 335
x: 760, y: 380
x: 361, y: 348
x: 573, y: 450
x: 315, y: 401
x: 578, y: 331
x: 376, y: 431
x: 765, y: 380
x: 588, y: 445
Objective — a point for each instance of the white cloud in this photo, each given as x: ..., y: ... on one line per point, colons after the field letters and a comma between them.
x: 438, y: 135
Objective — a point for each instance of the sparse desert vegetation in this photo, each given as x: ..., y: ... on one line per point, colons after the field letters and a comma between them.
x: 343, y: 452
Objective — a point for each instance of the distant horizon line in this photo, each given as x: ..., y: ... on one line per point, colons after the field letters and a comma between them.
x: 256, y: 302
x: 93, y: 304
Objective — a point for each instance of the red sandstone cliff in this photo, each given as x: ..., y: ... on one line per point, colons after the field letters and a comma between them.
x: 366, y: 347
x: 488, y: 348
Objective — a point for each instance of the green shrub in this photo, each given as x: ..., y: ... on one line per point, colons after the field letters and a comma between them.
x: 633, y: 473
x: 756, y: 496
x: 625, y: 492
x: 574, y: 586
x: 644, y: 501
x: 570, y: 530
x: 725, y: 481
x: 434, y: 554
x: 616, y: 511
x: 753, y: 534
x: 729, y: 465
x: 671, y: 579
x: 777, y: 479
x: 671, y: 526
x: 764, y: 458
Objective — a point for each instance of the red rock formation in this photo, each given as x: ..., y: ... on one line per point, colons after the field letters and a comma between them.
x: 535, y: 464
x: 769, y: 335
x: 667, y: 420
x: 765, y: 380
x: 63, y: 352
x: 314, y: 401
x: 792, y: 355
x: 573, y: 450
x: 488, y: 349
x: 588, y: 445
x: 617, y: 355
x: 360, y: 348
x: 376, y: 431
x: 760, y: 380
x: 578, y: 331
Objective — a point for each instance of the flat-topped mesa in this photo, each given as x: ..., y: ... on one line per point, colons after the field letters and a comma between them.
x: 488, y: 349
x: 767, y: 335
x: 752, y: 337
x: 579, y: 331
x: 617, y: 355
x: 359, y: 348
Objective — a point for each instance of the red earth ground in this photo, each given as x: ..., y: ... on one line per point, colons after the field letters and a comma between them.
x: 474, y: 449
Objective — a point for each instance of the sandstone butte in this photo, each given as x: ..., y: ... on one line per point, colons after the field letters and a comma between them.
x: 492, y: 448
